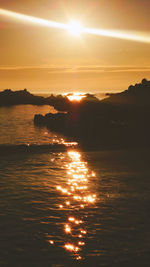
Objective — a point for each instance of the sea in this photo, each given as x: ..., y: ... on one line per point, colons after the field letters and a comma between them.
x: 69, y: 207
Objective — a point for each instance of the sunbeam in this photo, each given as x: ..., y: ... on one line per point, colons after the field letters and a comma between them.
x: 76, y: 29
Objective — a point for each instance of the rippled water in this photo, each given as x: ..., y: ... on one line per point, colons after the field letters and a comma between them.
x: 73, y: 208
x: 16, y: 125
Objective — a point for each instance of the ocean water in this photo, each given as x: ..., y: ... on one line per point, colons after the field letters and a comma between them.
x: 72, y: 207
x: 16, y: 125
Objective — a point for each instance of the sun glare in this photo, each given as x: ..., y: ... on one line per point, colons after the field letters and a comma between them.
x: 75, y: 28
x: 75, y: 97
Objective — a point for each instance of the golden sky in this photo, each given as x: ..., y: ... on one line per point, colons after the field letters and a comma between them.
x: 52, y: 60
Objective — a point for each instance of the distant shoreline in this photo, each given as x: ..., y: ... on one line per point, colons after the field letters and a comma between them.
x: 9, y: 97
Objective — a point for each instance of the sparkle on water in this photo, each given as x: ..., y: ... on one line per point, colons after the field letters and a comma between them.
x: 78, y: 197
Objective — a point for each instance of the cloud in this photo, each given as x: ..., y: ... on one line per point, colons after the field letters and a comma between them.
x: 47, y: 68
x: 77, y: 69
x: 113, y: 69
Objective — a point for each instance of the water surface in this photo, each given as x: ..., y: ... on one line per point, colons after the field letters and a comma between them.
x: 73, y: 208
x: 17, y: 127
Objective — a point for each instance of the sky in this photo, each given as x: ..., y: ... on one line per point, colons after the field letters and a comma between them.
x: 52, y: 60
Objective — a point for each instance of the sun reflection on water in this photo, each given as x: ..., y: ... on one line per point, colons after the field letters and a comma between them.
x: 62, y: 141
x: 77, y: 197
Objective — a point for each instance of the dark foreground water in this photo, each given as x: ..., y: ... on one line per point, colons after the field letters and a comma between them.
x: 72, y: 208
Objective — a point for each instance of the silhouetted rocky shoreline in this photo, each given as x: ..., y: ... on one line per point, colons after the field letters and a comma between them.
x: 22, y: 97
x: 120, y: 121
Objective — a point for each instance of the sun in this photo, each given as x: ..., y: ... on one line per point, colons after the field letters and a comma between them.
x: 75, y: 28
x: 75, y: 97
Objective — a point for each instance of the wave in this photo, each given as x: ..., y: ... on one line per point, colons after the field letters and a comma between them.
x: 32, y: 148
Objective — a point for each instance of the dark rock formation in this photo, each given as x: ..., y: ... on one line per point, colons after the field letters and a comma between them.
x: 138, y: 95
x: 121, y: 120
x: 62, y: 103
x: 59, y: 102
x: 9, y: 97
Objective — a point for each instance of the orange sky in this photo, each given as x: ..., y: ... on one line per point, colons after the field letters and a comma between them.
x: 52, y: 60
